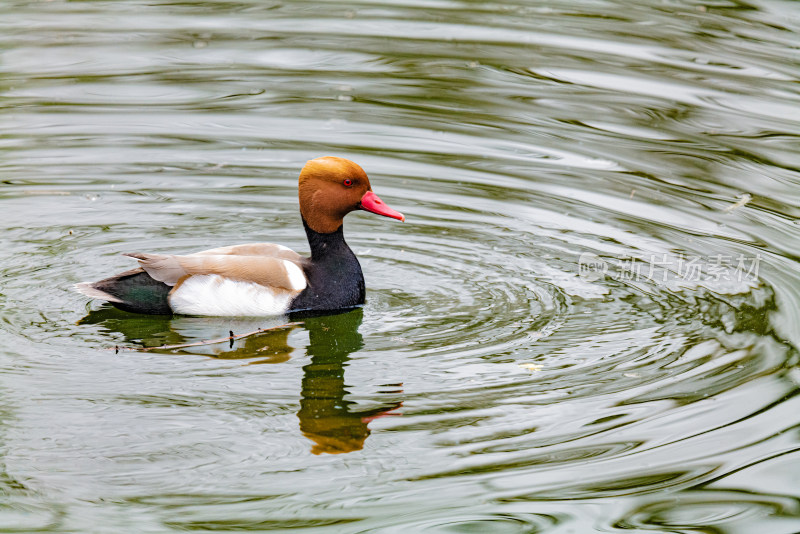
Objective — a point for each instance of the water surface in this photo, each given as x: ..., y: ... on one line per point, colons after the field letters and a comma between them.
x: 489, y: 384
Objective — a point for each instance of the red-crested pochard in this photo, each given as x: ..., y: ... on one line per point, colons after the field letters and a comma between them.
x: 260, y: 279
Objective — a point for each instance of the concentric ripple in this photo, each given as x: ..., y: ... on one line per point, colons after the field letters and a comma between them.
x: 587, y: 323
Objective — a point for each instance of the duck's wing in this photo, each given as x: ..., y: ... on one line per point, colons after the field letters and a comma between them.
x: 254, y: 249
x: 267, y: 271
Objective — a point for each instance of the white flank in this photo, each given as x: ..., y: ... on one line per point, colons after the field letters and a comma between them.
x: 211, y: 294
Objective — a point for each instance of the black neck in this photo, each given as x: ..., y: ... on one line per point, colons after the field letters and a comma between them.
x: 325, y: 245
x: 334, y: 275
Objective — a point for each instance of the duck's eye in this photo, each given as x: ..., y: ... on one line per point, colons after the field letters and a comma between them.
x: 347, y: 182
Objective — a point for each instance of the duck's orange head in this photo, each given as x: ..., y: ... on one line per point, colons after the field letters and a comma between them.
x: 330, y: 188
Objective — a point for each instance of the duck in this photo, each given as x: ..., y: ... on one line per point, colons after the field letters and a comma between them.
x: 260, y: 279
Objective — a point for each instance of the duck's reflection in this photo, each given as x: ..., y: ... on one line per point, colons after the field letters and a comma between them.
x: 325, y: 415
x: 151, y: 331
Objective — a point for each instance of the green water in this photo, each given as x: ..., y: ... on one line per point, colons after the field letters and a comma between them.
x: 489, y: 384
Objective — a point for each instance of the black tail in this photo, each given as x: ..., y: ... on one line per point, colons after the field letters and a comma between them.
x: 132, y: 291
